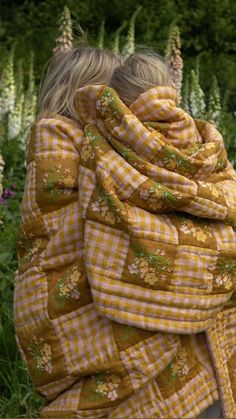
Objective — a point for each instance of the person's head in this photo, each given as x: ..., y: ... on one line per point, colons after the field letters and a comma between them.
x: 138, y: 73
x: 70, y: 70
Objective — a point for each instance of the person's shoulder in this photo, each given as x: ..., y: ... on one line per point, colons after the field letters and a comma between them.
x: 58, y: 122
x: 52, y: 133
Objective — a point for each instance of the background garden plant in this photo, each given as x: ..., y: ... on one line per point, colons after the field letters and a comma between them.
x: 203, y: 68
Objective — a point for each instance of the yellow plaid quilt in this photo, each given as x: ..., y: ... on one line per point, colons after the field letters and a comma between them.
x: 124, y: 302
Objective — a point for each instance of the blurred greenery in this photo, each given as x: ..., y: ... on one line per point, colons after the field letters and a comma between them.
x: 17, y: 394
x: 208, y: 36
x: 207, y: 29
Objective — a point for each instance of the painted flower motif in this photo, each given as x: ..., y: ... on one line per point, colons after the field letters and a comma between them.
x: 42, y: 355
x: 200, y: 235
x: 151, y: 278
x: 101, y: 207
x: 215, y: 191
x: 159, y: 163
x: 102, y: 104
x: 107, y: 385
x: 58, y: 181
x: 209, y: 146
x: 152, y: 198
x: 179, y: 366
x: 226, y: 273
x: 221, y: 164
x: 139, y: 165
x: 144, y: 194
x: 198, y: 232
x: 69, y: 181
x: 106, y: 206
x: 133, y: 268
x: 128, y: 331
x: 193, y: 150
x: 112, y: 395
x: 67, y: 286
x: 106, y: 100
x: 157, y: 195
x: 225, y: 281
x: 31, y: 247
x: 87, y: 151
x: 171, y: 164
x: 102, y: 389
x: 154, y: 204
x: 152, y: 268
x: 67, y: 191
x: 175, y: 162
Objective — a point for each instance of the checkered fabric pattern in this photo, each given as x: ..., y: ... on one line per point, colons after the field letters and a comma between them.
x: 127, y: 261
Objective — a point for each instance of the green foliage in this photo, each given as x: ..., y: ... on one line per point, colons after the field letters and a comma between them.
x: 65, y: 39
x: 214, y: 105
x: 129, y: 46
x: 174, y: 59
x: 17, y: 394
x: 227, y: 127
x: 7, y: 91
x: 101, y: 35
x: 186, y: 93
x: 30, y: 98
x: 207, y: 32
x: 116, y: 42
x: 205, y: 29
x: 197, y: 99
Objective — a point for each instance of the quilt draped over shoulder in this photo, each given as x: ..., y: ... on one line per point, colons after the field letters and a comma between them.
x: 125, y: 297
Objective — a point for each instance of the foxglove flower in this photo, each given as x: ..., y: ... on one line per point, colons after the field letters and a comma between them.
x: 101, y: 35
x: 174, y: 59
x: 197, y: 101
x: 29, y: 106
x: 214, y: 104
x: 129, y: 47
x: 7, y: 89
x: 116, y: 42
x: 15, y: 116
x: 64, y: 42
x: 1, y: 173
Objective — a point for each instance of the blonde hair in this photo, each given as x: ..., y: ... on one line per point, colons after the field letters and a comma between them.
x: 138, y: 73
x: 70, y: 70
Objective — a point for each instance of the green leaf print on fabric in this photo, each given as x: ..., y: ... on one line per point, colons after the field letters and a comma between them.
x: 152, y: 267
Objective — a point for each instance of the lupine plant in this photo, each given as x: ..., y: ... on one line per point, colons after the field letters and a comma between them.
x: 197, y: 97
x: 186, y: 93
x: 101, y: 35
x: 30, y: 101
x: 17, y: 112
x: 129, y: 46
x: 174, y: 59
x: 214, y: 103
x: 1, y: 175
x: 64, y: 42
x: 15, y: 115
x: 7, y: 92
x: 116, y: 42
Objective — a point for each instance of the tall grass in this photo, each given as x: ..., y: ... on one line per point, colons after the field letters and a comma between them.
x: 17, y: 394
x: 18, y: 397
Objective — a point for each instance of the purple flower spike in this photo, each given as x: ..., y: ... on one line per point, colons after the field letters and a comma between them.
x: 11, y: 193
x: 3, y: 201
x: 7, y: 193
